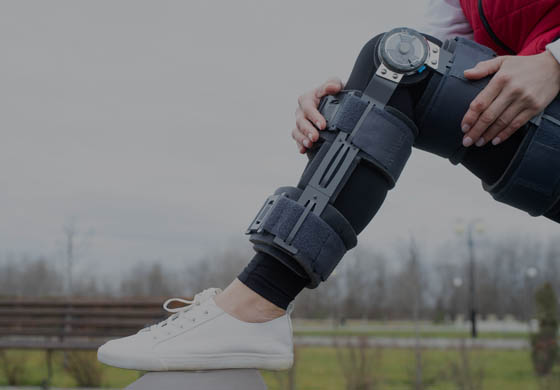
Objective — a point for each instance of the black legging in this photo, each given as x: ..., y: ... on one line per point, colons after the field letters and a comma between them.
x: 365, y: 191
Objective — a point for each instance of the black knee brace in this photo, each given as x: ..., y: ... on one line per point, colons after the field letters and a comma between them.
x: 531, y: 179
x: 303, y: 223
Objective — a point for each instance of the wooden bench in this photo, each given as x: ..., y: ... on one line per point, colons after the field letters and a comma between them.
x: 85, y: 324
x: 72, y: 324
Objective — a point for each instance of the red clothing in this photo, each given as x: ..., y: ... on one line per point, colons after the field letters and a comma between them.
x: 524, y: 26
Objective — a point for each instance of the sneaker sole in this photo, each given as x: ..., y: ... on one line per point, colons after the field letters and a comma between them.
x: 205, y: 362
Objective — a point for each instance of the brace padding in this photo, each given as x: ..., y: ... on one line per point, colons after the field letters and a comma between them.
x: 387, y: 141
x: 532, y: 180
x: 383, y: 134
x: 348, y: 113
x: 321, y: 241
x: 447, y: 99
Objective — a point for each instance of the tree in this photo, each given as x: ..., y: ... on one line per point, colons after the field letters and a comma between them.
x: 544, y: 344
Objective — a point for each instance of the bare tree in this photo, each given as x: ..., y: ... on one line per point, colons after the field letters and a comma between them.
x: 75, y: 245
x: 151, y: 279
x: 358, y: 362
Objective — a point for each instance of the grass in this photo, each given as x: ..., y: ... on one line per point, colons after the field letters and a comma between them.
x: 317, y: 368
x: 410, y: 334
x: 504, y: 370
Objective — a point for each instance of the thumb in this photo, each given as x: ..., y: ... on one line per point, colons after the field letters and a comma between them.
x: 484, y: 68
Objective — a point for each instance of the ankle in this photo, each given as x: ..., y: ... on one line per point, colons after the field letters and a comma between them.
x: 246, y: 305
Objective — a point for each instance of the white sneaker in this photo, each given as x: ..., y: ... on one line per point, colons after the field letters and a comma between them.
x: 202, y: 336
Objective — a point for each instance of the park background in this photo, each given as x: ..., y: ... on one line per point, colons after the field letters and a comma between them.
x: 139, y: 139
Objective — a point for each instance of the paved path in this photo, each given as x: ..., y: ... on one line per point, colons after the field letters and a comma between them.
x: 437, y: 343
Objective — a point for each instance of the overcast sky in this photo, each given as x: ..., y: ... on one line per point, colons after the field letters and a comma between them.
x: 162, y: 126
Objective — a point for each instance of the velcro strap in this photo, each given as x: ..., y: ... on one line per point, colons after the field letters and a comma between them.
x: 386, y: 140
x: 343, y: 111
x: 315, y: 239
x: 350, y: 111
x: 467, y: 54
x: 532, y: 180
x: 446, y: 99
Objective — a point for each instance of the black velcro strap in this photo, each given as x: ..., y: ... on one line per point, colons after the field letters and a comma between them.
x: 343, y: 110
x: 467, y: 54
x: 315, y: 245
x: 447, y: 99
x: 386, y: 140
x: 532, y: 180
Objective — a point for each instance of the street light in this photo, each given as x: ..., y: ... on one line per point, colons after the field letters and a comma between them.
x: 473, y: 226
x: 457, y: 282
x: 530, y: 274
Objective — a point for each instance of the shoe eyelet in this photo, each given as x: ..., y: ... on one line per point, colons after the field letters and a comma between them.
x: 206, y: 312
x: 194, y: 319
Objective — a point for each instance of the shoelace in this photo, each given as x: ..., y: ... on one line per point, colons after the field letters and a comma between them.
x: 180, y: 312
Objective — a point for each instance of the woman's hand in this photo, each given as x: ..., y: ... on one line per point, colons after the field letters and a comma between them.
x: 521, y: 87
x: 308, y: 118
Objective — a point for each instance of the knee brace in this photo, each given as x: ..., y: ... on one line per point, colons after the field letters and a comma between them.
x: 531, y: 181
x: 302, y: 223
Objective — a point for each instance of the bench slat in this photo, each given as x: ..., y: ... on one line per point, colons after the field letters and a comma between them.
x: 32, y: 344
x: 45, y: 312
x: 75, y: 322
x: 50, y: 332
x: 135, y: 303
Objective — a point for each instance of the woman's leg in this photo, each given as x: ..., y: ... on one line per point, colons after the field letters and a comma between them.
x: 364, y: 193
x: 202, y: 336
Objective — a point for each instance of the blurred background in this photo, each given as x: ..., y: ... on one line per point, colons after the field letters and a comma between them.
x: 139, y: 140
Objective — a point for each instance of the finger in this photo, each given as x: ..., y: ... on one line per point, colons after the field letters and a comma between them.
x: 502, y: 122
x: 332, y: 86
x: 520, y: 120
x: 481, y: 103
x: 305, y: 127
x: 308, y: 105
x: 484, y: 68
x: 486, y: 119
x: 301, y: 139
x: 300, y: 147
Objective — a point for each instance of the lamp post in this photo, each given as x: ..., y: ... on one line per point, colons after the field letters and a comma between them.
x: 470, y: 228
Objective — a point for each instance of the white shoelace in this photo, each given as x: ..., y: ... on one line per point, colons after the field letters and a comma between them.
x: 182, y: 312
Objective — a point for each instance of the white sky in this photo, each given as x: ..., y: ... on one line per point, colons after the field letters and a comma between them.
x: 162, y: 126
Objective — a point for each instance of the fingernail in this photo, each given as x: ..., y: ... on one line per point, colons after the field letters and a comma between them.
x: 496, y: 141
x: 310, y: 136
x: 318, y: 124
x: 306, y: 143
x: 467, y: 141
x: 480, y: 142
x: 465, y: 128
